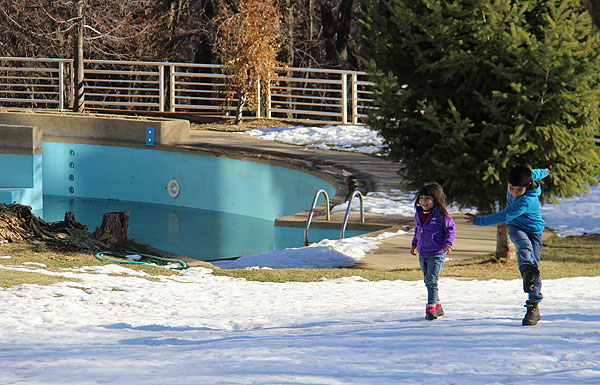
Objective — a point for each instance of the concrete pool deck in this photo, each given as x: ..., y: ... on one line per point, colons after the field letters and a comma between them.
x: 357, y: 171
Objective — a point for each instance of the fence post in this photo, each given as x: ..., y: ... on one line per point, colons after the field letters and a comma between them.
x: 72, y: 83
x: 354, y: 98
x: 161, y: 88
x: 258, y: 98
x: 172, y: 70
x: 268, y: 112
x: 344, y: 98
x: 61, y: 86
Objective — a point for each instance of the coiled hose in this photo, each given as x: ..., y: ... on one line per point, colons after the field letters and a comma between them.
x: 145, y: 259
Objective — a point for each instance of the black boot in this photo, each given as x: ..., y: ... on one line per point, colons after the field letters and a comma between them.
x: 533, y: 314
x: 531, y: 276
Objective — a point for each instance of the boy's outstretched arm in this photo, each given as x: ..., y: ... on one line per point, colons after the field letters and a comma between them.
x: 539, y: 173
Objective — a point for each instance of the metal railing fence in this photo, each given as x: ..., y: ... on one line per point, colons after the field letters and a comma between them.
x: 298, y: 93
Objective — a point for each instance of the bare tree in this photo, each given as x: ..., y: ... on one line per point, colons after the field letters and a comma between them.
x: 99, y: 29
x: 322, y: 33
x: 113, y: 29
x: 317, y: 33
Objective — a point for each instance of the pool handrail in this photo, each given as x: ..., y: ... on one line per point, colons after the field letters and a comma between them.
x: 362, y: 211
x: 310, y: 214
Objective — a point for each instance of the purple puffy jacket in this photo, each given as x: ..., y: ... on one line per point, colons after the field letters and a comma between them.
x: 435, y: 234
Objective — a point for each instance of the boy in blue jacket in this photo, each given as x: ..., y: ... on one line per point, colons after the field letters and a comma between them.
x: 525, y: 226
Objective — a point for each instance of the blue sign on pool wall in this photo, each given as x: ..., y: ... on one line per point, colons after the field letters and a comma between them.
x: 150, y: 134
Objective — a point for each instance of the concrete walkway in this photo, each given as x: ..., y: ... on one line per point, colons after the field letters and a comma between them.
x: 351, y: 171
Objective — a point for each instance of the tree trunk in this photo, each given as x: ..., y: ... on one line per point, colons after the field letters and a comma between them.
x: 290, y: 21
x: 114, y: 228
x: 78, y: 88
x: 343, y: 26
x: 329, y: 30
x: 240, y: 109
x: 593, y: 7
x: 504, y: 248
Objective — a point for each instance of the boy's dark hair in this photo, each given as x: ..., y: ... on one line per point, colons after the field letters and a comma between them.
x: 435, y: 191
x: 520, y: 176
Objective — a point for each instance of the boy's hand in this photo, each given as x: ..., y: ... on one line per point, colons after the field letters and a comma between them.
x: 447, y: 250
x: 412, y: 250
x: 469, y: 217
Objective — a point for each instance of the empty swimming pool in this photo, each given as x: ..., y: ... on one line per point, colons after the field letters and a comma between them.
x: 205, y: 207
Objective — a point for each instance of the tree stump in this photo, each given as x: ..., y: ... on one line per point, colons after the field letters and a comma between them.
x: 114, y: 228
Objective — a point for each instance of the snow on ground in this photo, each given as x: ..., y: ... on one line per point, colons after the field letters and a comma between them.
x: 577, y: 216
x: 325, y: 254
x: 344, y: 138
x: 110, y: 325
x: 201, y: 329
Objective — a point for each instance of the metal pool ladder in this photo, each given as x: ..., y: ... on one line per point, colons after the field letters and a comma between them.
x: 362, y: 211
x: 328, y: 212
x: 312, y: 209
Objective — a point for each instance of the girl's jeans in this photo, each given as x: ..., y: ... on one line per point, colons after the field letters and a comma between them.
x: 431, y: 267
x: 529, y: 251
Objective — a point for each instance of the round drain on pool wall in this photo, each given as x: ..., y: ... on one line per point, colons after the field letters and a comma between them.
x: 173, y: 188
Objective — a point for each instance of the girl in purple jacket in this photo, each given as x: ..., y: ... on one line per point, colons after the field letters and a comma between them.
x: 434, y: 236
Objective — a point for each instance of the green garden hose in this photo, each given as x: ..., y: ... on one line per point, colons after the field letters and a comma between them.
x: 147, y: 259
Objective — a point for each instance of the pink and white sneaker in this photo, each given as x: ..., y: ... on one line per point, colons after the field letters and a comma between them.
x: 433, y: 311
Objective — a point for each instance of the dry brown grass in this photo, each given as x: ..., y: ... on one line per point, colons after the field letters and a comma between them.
x: 29, y: 254
x: 561, y: 257
x: 228, y: 125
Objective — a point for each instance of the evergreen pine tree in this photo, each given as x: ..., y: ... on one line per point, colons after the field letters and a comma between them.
x: 468, y: 89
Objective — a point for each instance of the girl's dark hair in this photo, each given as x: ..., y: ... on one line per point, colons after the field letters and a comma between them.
x: 435, y: 191
x: 520, y: 176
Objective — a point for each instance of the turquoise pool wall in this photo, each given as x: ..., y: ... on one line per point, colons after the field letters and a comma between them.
x: 21, y: 179
x: 229, y: 185
x: 18, y: 170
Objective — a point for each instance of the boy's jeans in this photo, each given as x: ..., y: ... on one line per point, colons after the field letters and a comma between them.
x: 431, y: 267
x: 529, y: 251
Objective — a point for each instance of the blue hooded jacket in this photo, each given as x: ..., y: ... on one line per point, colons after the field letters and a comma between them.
x: 437, y: 232
x: 523, y: 212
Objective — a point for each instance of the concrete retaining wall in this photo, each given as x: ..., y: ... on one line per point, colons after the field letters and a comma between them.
x: 56, y: 126
x: 23, y: 132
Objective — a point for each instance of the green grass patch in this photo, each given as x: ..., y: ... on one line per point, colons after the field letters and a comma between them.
x: 561, y: 258
x: 24, y: 253
x: 10, y: 278
x: 314, y: 275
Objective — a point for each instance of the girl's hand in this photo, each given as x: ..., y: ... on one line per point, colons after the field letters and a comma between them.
x: 447, y: 250
x: 413, y: 250
x: 469, y: 217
